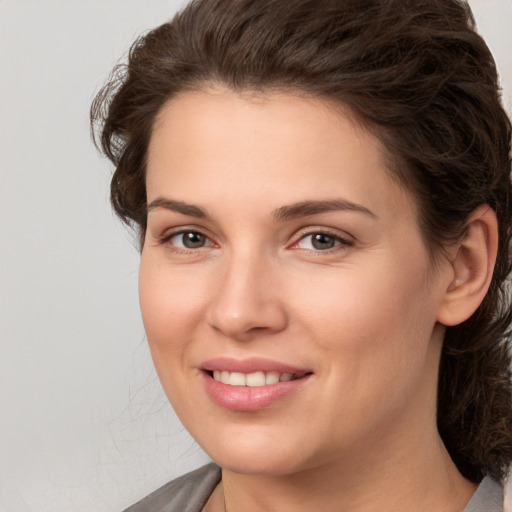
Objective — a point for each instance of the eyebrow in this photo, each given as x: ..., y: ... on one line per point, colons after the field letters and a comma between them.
x: 305, y: 208
x: 178, y: 206
x: 292, y: 211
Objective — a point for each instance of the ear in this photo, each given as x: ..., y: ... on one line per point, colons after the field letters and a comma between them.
x: 472, y: 263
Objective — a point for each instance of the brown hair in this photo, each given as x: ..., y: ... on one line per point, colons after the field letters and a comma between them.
x: 423, y: 81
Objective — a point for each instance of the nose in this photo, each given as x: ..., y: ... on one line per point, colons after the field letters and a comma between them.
x: 246, y: 302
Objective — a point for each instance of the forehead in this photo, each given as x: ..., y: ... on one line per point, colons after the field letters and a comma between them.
x: 256, y: 118
x: 281, y: 146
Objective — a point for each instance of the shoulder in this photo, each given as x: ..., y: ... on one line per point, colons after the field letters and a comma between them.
x: 188, y: 493
x: 487, y: 498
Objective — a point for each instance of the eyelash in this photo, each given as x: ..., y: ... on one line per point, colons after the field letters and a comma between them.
x: 340, y: 242
x: 166, y: 240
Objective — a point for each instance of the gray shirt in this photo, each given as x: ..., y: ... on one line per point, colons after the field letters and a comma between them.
x: 190, y: 492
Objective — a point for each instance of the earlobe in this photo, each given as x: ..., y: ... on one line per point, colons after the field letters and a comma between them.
x: 472, y: 264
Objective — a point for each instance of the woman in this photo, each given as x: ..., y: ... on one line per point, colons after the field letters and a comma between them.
x: 322, y: 191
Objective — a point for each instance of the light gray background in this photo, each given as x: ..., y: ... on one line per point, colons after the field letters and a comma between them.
x: 84, y: 426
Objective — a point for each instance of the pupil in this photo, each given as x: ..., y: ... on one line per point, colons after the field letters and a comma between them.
x: 193, y: 240
x: 321, y: 241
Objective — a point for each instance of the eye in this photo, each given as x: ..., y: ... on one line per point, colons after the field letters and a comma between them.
x: 321, y: 242
x: 188, y: 240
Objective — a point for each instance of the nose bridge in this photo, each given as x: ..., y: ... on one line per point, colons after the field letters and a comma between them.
x: 246, y: 299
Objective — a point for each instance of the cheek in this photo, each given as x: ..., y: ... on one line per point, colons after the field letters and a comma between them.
x: 171, y: 305
x: 381, y: 314
x: 373, y: 333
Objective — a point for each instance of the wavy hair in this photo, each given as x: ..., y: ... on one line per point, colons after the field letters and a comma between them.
x: 419, y: 77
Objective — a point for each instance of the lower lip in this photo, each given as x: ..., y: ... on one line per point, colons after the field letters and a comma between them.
x: 247, y: 398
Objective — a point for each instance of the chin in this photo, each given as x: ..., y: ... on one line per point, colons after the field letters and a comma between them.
x: 246, y: 456
x: 268, y: 466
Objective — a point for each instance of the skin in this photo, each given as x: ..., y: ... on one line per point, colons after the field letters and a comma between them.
x: 365, y: 316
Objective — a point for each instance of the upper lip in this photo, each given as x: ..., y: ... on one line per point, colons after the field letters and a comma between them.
x: 250, y: 365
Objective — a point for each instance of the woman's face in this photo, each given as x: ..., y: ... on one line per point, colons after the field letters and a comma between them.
x: 278, y: 244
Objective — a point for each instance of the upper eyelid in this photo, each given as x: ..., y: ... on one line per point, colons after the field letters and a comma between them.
x: 340, y: 242
x: 345, y: 242
x: 167, y: 235
x: 170, y: 232
x: 335, y: 233
x: 298, y: 235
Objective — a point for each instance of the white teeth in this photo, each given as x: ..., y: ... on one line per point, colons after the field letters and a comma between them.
x: 272, y: 378
x: 237, y: 379
x: 254, y: 379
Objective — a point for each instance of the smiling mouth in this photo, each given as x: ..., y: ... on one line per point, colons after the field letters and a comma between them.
x: 255, y: 379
